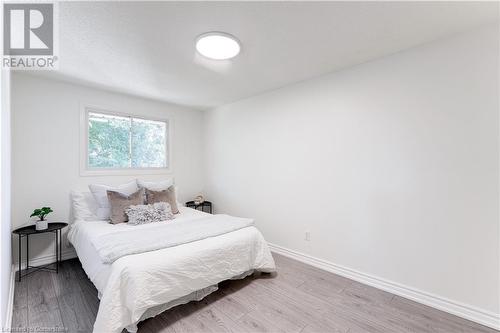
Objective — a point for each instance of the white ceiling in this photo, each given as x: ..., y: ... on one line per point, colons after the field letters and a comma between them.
x: 147, y: 48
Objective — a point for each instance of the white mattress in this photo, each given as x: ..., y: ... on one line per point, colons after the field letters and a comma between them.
x: 135, y: 283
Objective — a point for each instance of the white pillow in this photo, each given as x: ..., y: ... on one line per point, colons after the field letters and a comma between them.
x: 101, y: 197
x: 156, y: 186
x: 84, y: 206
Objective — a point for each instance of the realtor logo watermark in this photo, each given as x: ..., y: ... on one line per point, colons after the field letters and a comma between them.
x: 29, y: 41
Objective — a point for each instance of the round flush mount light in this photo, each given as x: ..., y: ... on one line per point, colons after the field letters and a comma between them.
x: 218, y: 45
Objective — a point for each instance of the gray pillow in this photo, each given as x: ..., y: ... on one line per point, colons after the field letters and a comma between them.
x: 167, y: 196
x: 119, y: 202
x: 142, y: 214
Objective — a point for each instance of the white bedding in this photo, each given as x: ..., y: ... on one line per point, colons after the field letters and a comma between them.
x: 116, y: 244
x: 138, y: 282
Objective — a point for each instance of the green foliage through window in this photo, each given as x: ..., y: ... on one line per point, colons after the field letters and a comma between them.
x: 126, y: 142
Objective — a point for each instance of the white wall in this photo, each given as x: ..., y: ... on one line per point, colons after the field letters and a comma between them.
x: 392, y: 166
x: 45, y: 146
x: 5, y: 180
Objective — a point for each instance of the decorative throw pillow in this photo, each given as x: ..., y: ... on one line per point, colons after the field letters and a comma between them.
x: 156, y: 185
x: 119, y: 202
x: 167, y: 195
x: 142, y: 214
x: 101, y: 197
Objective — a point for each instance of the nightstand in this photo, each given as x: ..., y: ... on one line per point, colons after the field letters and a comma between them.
x: 55, y: 228
x: 205, y: 206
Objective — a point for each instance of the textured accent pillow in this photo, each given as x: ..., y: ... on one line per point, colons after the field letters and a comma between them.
x: 142, y: 214
x: 119, y: 202
x: 155, y: 185
x: 167, y: 195
x: 101, y: 197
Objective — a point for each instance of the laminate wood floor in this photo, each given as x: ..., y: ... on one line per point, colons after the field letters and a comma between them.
x: 299, y: 298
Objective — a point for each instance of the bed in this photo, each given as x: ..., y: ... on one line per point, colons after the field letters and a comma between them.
x: 136, y: 281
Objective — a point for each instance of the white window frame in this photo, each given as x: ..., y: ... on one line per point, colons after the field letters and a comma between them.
x: 85, y: 170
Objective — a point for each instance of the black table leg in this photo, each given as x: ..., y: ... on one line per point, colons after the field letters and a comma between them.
x: 27, y: 252
x: 19, y: 277
x: 60, y: 245
x: 57, y: 251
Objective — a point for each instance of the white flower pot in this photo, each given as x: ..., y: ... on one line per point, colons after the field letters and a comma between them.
x: 41, y: 225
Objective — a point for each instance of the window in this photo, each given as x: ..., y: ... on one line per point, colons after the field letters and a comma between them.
x: 123, y: 142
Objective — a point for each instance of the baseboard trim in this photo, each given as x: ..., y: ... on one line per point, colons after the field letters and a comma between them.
x: 45, y: 260
x: 465, y: 311
x: 10, y: 301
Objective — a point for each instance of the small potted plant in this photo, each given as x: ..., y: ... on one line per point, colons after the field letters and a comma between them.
x: 41, y: 224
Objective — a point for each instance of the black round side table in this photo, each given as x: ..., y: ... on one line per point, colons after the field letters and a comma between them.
x: 55, y: 228
x: 205, y: 206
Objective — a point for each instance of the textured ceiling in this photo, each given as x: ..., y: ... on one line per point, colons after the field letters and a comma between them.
x: 147, y: 48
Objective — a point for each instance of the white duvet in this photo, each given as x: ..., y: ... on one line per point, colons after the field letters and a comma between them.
x: 134, y: 283
x: 116, y: 244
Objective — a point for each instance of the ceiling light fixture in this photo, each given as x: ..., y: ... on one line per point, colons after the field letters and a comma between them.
x: 218, y: 45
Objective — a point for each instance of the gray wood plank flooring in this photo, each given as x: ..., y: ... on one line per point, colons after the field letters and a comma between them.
x: 300, y: 299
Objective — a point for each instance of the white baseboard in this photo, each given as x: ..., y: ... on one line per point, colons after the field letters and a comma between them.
x: 10, y: 301
x: 45, y: 260
x: 469, y: 312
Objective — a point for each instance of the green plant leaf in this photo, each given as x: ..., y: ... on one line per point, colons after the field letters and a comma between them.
x: 41, y: 212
